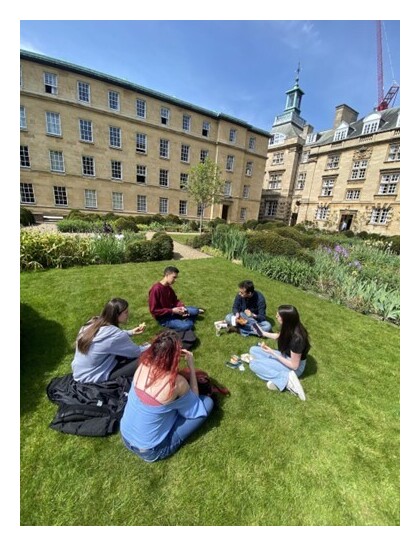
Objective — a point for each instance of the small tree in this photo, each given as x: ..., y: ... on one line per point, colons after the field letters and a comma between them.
x: 205, y: 185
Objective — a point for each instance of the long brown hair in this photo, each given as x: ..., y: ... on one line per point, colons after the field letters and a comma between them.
x: 108, y: 317
x: 162, y: 357
x: 291, y: 326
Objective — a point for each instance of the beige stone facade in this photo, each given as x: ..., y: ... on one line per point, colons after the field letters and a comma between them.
x: 96, y: 143
x: 347, y: 177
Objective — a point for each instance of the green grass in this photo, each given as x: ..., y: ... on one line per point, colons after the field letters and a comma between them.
x: 264, y: 458
x: 183, y: 237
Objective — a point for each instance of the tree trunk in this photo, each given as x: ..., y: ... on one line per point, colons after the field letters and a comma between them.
x: 201, y: 219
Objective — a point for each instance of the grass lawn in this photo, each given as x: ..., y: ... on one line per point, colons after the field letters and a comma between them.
x: 264, y: 458
x: 183, y: 237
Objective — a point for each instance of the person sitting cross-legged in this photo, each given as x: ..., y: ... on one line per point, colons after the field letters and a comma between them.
x: 165, y: 306
x: 163, y: 407
x: 249, y: 307
x: 281, y: 368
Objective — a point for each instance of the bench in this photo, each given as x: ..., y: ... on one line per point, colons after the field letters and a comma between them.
x: 52, y: 218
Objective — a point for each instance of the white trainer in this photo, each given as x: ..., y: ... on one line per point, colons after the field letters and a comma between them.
x: 271, y: 386
x: 294, y: 386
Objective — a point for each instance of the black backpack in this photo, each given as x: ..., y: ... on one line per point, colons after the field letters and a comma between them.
x: 187, y: 338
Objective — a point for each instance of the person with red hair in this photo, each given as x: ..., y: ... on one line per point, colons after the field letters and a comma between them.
x: 163, y: 409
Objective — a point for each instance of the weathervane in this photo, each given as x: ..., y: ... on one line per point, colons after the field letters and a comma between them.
x: 298, y: 72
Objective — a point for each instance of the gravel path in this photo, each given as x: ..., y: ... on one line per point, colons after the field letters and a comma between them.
x: 181, y: 252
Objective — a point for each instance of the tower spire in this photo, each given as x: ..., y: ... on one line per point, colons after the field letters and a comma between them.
x: 297, y: 73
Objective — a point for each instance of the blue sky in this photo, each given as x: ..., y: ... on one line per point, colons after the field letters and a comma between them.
x: 240, y: 67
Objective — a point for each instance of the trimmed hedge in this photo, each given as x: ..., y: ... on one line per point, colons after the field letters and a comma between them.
x: 160, y: 247
x: 272, y: 243
x: 307, y: 241
x: 125, y: 224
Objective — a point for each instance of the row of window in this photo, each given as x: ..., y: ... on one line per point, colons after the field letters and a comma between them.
x: 88, y: 168
x: 334, y: 159
x: 387, y: 185
x: 379, y: 215
x: 83, y: 93
x: 371, y: 124
x: 60, y: 197
x: 53, y: 127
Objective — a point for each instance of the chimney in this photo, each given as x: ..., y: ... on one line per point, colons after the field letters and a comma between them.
x: 307, y: 130
x: 344, y: 113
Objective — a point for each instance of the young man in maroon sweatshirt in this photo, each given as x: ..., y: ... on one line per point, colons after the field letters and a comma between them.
x: 165, y: 306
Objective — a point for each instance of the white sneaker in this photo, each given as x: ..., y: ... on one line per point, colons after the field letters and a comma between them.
x: 272, y: 386
x: 294, y: 386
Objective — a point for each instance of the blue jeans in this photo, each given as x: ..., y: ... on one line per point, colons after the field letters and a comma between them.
x: 175, y: 322
x: 268, y: 368
x: 246, y: 329
x: 180, y: 431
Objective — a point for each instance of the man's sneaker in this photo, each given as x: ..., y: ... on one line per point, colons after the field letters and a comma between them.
x: 294, y: 386
x: 272, y: 386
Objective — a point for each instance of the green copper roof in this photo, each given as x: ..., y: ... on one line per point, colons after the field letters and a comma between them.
x: 57, y: 63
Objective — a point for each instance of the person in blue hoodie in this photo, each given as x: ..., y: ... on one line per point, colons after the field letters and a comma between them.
x: 103, y: 350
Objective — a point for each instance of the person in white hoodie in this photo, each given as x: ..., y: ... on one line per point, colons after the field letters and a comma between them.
x: 103, y: 350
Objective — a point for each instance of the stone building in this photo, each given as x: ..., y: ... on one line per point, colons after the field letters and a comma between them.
x: 347, y: 177
x: 96, y: 143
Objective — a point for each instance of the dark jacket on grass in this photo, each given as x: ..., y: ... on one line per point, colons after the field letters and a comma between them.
x: 88, y: 409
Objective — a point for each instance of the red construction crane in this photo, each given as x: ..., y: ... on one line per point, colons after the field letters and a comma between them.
x: 388, y: 100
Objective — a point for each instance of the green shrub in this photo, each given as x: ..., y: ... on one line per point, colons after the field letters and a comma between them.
x: 212, y: 224
x: 26, y: 217
x: 231, y: 240
x: 271, y: 243
x: 250, y: 224
x: 53, y: 250
x: 215, y: 252
x: 156, y: 226
x: 268, y: 226
x: 143, y: 219
x: 108, y: 249
x: 395, y: 244
x: 194, y: 225
x: 173, y: 219
x: 75, y: 214
x: 125, y: 224
x: 200, y: 240
x: 157, y: 218
x: 139, y: 251
x: 349, y: 233
x: 280, y: 268
x: 78, y: 225
x: 110, y: 217
x: 165, y: 245
x: 305, y: 240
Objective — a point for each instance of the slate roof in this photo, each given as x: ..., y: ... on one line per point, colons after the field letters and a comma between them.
x: 64, y: 65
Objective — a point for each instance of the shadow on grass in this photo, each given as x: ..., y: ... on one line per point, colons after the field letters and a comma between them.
x: 310, y: 368
x: 213, y: 420
x: 42, y: 345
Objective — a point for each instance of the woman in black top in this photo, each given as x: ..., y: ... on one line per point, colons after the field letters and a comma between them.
x: 281, y: 368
